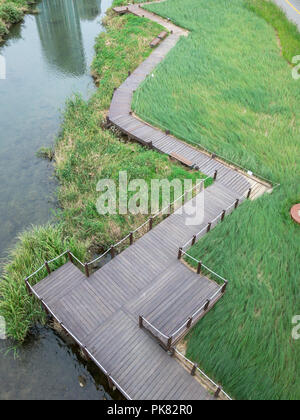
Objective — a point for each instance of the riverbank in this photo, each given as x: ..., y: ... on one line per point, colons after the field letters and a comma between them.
x: 11, y: 12
x: 235, y: 95
x: 84, y: 154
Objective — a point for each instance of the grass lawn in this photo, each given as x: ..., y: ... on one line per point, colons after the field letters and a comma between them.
x: 229, y: 87
x: 85, y: 154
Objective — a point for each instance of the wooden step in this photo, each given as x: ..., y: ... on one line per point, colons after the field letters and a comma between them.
x: 162, y: 35
x: 181, y: 159
x: 155, y: 42
x: 121, y: 10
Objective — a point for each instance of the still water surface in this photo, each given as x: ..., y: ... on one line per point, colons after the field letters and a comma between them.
x: 48, y: 58
x: 49, y: 368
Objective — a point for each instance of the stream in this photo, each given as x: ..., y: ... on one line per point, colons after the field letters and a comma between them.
x: 48, y: 58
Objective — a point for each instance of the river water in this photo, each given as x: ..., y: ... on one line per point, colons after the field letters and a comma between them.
x: 48, y: 58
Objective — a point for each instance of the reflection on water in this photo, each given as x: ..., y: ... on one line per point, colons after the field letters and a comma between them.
x: 88, y: 9
x: 48, y: 58
x: 49, y: 368
x: 60, y: 32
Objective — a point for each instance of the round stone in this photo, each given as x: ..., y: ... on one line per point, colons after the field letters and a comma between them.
x: 295, y: 213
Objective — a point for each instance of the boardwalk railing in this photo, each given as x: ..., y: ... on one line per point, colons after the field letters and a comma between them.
x: 146, y: 226
x: 168, y: 210
x: 214, y: 155
x: 111, y: 381
x: 218, y: 391
x: 196, y: 371
x: 171, y: 339
x: 216, y: 220
x: 149, y: 223
x: 47, y: 266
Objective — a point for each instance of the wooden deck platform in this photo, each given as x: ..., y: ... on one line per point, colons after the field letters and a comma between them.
x: 102, y: 311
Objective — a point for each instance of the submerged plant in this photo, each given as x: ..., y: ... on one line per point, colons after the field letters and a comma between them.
x: 46, y: 153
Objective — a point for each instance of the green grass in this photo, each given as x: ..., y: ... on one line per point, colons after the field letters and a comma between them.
x: 286, y: 30
x: 33, y: 248
x: 84, y: 154
x: 226, y: 89
x: 229, y: 88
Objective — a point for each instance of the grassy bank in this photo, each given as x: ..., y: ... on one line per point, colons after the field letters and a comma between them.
x: 84, y: 154
x: 286, y: 31
x: 12, y: 11
x: 232, y: 91
x: 33, y: 247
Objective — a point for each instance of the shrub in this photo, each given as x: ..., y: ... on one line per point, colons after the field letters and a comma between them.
x: 11, y: 13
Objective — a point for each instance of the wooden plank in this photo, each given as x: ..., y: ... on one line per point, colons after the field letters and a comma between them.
x: 155, y: 42
x: 162, y: 35
x: 181, y: 159
x: 121, y: 10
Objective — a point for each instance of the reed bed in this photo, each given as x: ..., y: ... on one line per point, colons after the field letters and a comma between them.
x: 229, y: 87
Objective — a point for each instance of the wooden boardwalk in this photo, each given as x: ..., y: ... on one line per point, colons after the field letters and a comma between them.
x: 147, y: 290
x: 120, y: 114
x: 102, y: 311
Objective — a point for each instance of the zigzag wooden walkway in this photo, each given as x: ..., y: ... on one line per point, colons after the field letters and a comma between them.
x: 101, y: 312
x: 147, y: 290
